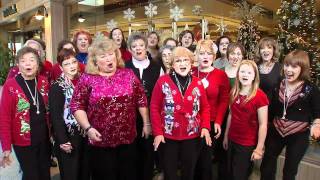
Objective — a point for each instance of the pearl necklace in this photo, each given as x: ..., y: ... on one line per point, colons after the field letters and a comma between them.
x: 35, y: 98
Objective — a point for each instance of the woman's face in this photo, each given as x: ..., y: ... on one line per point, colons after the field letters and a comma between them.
x: 28, y: 65
x: 182, y: 65
x: 205, y: 58
x: 107, y: 62
x: 70, y: 67
x: 82, y: 43
x: 186, y: 40
x: 171, y: 43
x: 291, y: 72
x: 235, y: 57
x: 152, y: 40
x: 166, y: 58
x: 223, y: 45
x: 138, y: 50
x: 69, y: 46
x: 266, y: 53
x: 117, y: 37
x: 246, y: 75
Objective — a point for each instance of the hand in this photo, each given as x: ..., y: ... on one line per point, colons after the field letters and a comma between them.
x: 225, y: 142
x: 256, y: 154
x: 66, y: 147
x: 217, y: 130
x: 157, y: 140
x: 315, y: 131
x: 146, y: 131
x: 7, y: 159
x: 205, y: 134
x: 94, y: 135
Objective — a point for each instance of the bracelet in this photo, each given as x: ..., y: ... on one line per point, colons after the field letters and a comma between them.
x: 87, y: 129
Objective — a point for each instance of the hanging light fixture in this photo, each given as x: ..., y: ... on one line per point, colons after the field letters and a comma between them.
x: 41, y: 13
x: 81, y: 19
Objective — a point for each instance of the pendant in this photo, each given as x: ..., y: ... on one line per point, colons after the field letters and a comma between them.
x: 284, y: 115
x: 38, y: 112
x: 205, y: 83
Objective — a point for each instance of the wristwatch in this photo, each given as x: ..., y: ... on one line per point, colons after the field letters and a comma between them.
x: 87, y: 129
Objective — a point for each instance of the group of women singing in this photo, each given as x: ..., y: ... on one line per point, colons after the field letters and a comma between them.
x: 119, y: 110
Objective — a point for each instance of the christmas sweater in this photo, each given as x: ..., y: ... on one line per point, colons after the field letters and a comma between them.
x: 15, y: 116
x: 177, y: 116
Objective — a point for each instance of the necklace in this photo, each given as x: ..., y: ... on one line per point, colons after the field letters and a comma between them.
x: 265, y: 68
x: 180, y: 87
x: 35, y: 98
x: 288, y: 92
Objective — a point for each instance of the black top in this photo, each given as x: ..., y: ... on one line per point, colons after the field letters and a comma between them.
x: 182, y: 80
x: 38, y: 124
x: 150, y: 76
x: 269, y: 81
x: 306, y: 108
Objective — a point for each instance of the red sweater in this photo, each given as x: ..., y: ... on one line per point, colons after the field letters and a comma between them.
x: 125, y: 54
x: 244, y: 119
x: 15, y: 115
x: 176, y: 117
x: 217, y: 93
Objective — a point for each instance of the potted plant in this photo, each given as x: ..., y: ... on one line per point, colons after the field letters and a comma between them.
x: 6, y: 59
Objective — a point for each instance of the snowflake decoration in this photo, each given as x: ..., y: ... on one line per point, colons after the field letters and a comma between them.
x: 296, y: 22
x: 129, y: 14
x: 112, y: 24
x: 150, y: 10
x: 205, y: 26
x: 176, y: 13
x: 197, y: 10
x: 99, y: 36
x: 171, y: 3
x: 222, y: 27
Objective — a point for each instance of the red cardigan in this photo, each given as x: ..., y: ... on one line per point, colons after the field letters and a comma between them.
x: 217, y: 93
x: 15, y: 115
x: 176, y: 117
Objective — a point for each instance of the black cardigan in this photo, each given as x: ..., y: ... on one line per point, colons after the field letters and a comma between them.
x: 306, y: 108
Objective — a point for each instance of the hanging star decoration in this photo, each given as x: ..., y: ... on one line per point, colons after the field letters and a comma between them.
x: 129, y: 14
x: 151, y: 10
x: 176, y: 13
x: 112, y: 24
x: 197, y: 10
x: 222, y: 28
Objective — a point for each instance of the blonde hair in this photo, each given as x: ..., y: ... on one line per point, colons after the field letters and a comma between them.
x: 270, y: 42
x: 300, y: 58
x: 237, y: 85
x: 99, y: 46
x: 181, y: 52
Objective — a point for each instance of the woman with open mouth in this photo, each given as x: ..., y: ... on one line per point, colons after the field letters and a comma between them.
x: 235, y: 54
x: 153, y: 45
x: 82, y: 39
x: 186, y: 39
x: 105, y: 103
x: 24, y: 123
x: 215, y: 82
x: 222, y: 43
x: 247, y: 122
x: 166, y: 57
x: 295, y: 114
x: 180, y: 116
x: 267, y: 56
x: 117, y: 35
x: 70, y: 142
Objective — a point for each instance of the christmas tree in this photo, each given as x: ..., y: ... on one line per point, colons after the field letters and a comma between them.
x: 298, y: 30
x: 248, y: 31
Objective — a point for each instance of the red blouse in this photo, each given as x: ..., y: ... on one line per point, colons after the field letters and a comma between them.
x: 217, y: 93
x: 244, y: 119
x: 176, y: 117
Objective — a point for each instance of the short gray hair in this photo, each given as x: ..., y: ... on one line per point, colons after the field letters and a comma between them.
x: 136, y: 36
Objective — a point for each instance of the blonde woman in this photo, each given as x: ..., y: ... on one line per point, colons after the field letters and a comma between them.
x: 247, y: 122
x: 104, y: 103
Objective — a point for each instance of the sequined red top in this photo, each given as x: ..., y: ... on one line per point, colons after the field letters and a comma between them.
x: 111, y: 104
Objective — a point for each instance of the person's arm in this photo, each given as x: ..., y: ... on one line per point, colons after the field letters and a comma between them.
x: 205, y: 116
x: 226, y: 139
x: 315, y: 105
x: 262, y: 132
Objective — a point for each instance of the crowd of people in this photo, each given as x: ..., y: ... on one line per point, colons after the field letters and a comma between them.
x: 126, y: 110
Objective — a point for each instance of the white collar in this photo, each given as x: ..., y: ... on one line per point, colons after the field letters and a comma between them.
x: 141, y: 64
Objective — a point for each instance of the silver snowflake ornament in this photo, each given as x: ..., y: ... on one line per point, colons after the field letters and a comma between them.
x: 197, y: 10
x: 222, y: 28
x: 151, y: 10
x: 176, y: 13
x: 171, y: 3
x: 129, y: 14
x: 112, y: 24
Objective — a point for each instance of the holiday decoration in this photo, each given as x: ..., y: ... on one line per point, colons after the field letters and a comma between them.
x: 248, y: 33
x: 197, y: 10
x: 171, y: 3
x: 175, y: 14
x: 186, y: 27
x: 129, y: 15
x: 112, y: 24
x: 150, y: 10
x: 298, y: 26
x: 204, y: 24
x: 222, y: 28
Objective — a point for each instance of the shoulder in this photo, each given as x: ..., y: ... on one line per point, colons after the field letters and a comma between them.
x: 219, y: 73
x: 261, y: 96
x: 129, y: 64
